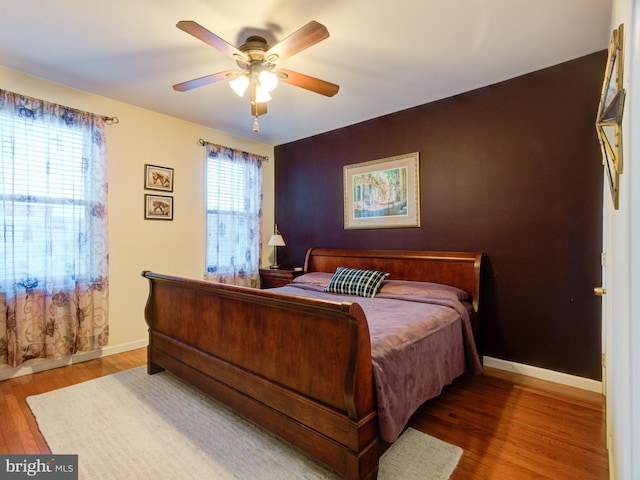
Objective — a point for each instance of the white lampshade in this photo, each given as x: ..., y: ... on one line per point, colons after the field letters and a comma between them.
x: 276, y: 240
x: 268, y: 80
x: 240, y: 84
x: 262, y: 95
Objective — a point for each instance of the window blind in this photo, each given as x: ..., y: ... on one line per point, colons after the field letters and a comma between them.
x: 43, y: 199
x: 234, y: 207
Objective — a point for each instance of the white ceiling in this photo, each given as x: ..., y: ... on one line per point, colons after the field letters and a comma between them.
x: 386, y: 55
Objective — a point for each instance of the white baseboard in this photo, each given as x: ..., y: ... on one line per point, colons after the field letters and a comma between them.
x: 544, y: 374
x: 39, y: 365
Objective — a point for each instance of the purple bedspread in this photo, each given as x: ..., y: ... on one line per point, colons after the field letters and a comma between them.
x: 419, y: 344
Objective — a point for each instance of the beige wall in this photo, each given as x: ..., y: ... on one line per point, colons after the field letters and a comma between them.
x: 172, y: 247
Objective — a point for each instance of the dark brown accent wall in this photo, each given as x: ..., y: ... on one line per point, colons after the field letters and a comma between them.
x: 513, y: 170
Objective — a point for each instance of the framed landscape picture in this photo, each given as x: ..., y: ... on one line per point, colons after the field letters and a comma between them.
x: 383, y: 193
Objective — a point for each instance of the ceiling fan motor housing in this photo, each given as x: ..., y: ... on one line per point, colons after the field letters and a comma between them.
x: 255, y: 48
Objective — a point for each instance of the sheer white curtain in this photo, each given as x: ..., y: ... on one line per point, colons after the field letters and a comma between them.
x: 54, y: 248
x: 234, y: 215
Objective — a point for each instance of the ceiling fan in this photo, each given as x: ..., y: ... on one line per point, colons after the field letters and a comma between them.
x: 257, y: 62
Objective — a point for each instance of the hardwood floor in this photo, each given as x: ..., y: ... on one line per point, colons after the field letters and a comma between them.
x: 509, y: 426
x: 515, y: 427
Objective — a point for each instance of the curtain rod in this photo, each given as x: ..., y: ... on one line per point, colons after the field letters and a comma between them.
x: 107, y: 120
x: 203, y: 143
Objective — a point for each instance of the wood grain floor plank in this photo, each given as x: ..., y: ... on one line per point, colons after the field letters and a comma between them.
x: 510, y: 427
x: 513, y: 428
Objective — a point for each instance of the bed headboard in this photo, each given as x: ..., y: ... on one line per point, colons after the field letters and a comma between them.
x: 459, y: 269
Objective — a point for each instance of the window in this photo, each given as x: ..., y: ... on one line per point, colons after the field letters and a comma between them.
x: 44, y: 186
x: 53, y: 243
x: 234, y: 215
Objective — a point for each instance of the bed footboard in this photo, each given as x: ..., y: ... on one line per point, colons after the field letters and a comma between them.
x: 301, y: 368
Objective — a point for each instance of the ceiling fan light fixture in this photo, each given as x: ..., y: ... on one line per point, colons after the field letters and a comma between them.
x: 240, y: 84
x: 268, y: 80
x: 262, y: 95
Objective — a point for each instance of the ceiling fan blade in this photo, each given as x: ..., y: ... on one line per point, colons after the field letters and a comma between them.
x: 206, y: 80
x: 201, y: 33
x: 312, y: 33
x: 309, y: 83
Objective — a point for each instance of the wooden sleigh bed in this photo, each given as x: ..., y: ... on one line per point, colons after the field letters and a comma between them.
x: 300, y: 367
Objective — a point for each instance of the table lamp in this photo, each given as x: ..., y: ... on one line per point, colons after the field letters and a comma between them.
x: 276, y: 241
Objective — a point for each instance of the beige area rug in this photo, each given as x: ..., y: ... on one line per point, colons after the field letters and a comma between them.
x: 135, y: 426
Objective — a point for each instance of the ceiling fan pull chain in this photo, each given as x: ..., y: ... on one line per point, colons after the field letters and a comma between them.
x: 256, y: 127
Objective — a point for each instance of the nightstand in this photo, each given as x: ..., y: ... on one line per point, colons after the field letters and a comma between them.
x: 277, y: 277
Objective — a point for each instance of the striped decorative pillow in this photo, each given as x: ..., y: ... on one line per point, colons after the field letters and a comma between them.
x: 349, y: 281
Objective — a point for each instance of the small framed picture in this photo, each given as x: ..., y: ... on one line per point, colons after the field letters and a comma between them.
x: 158, y: 207
x: 158, y: 178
